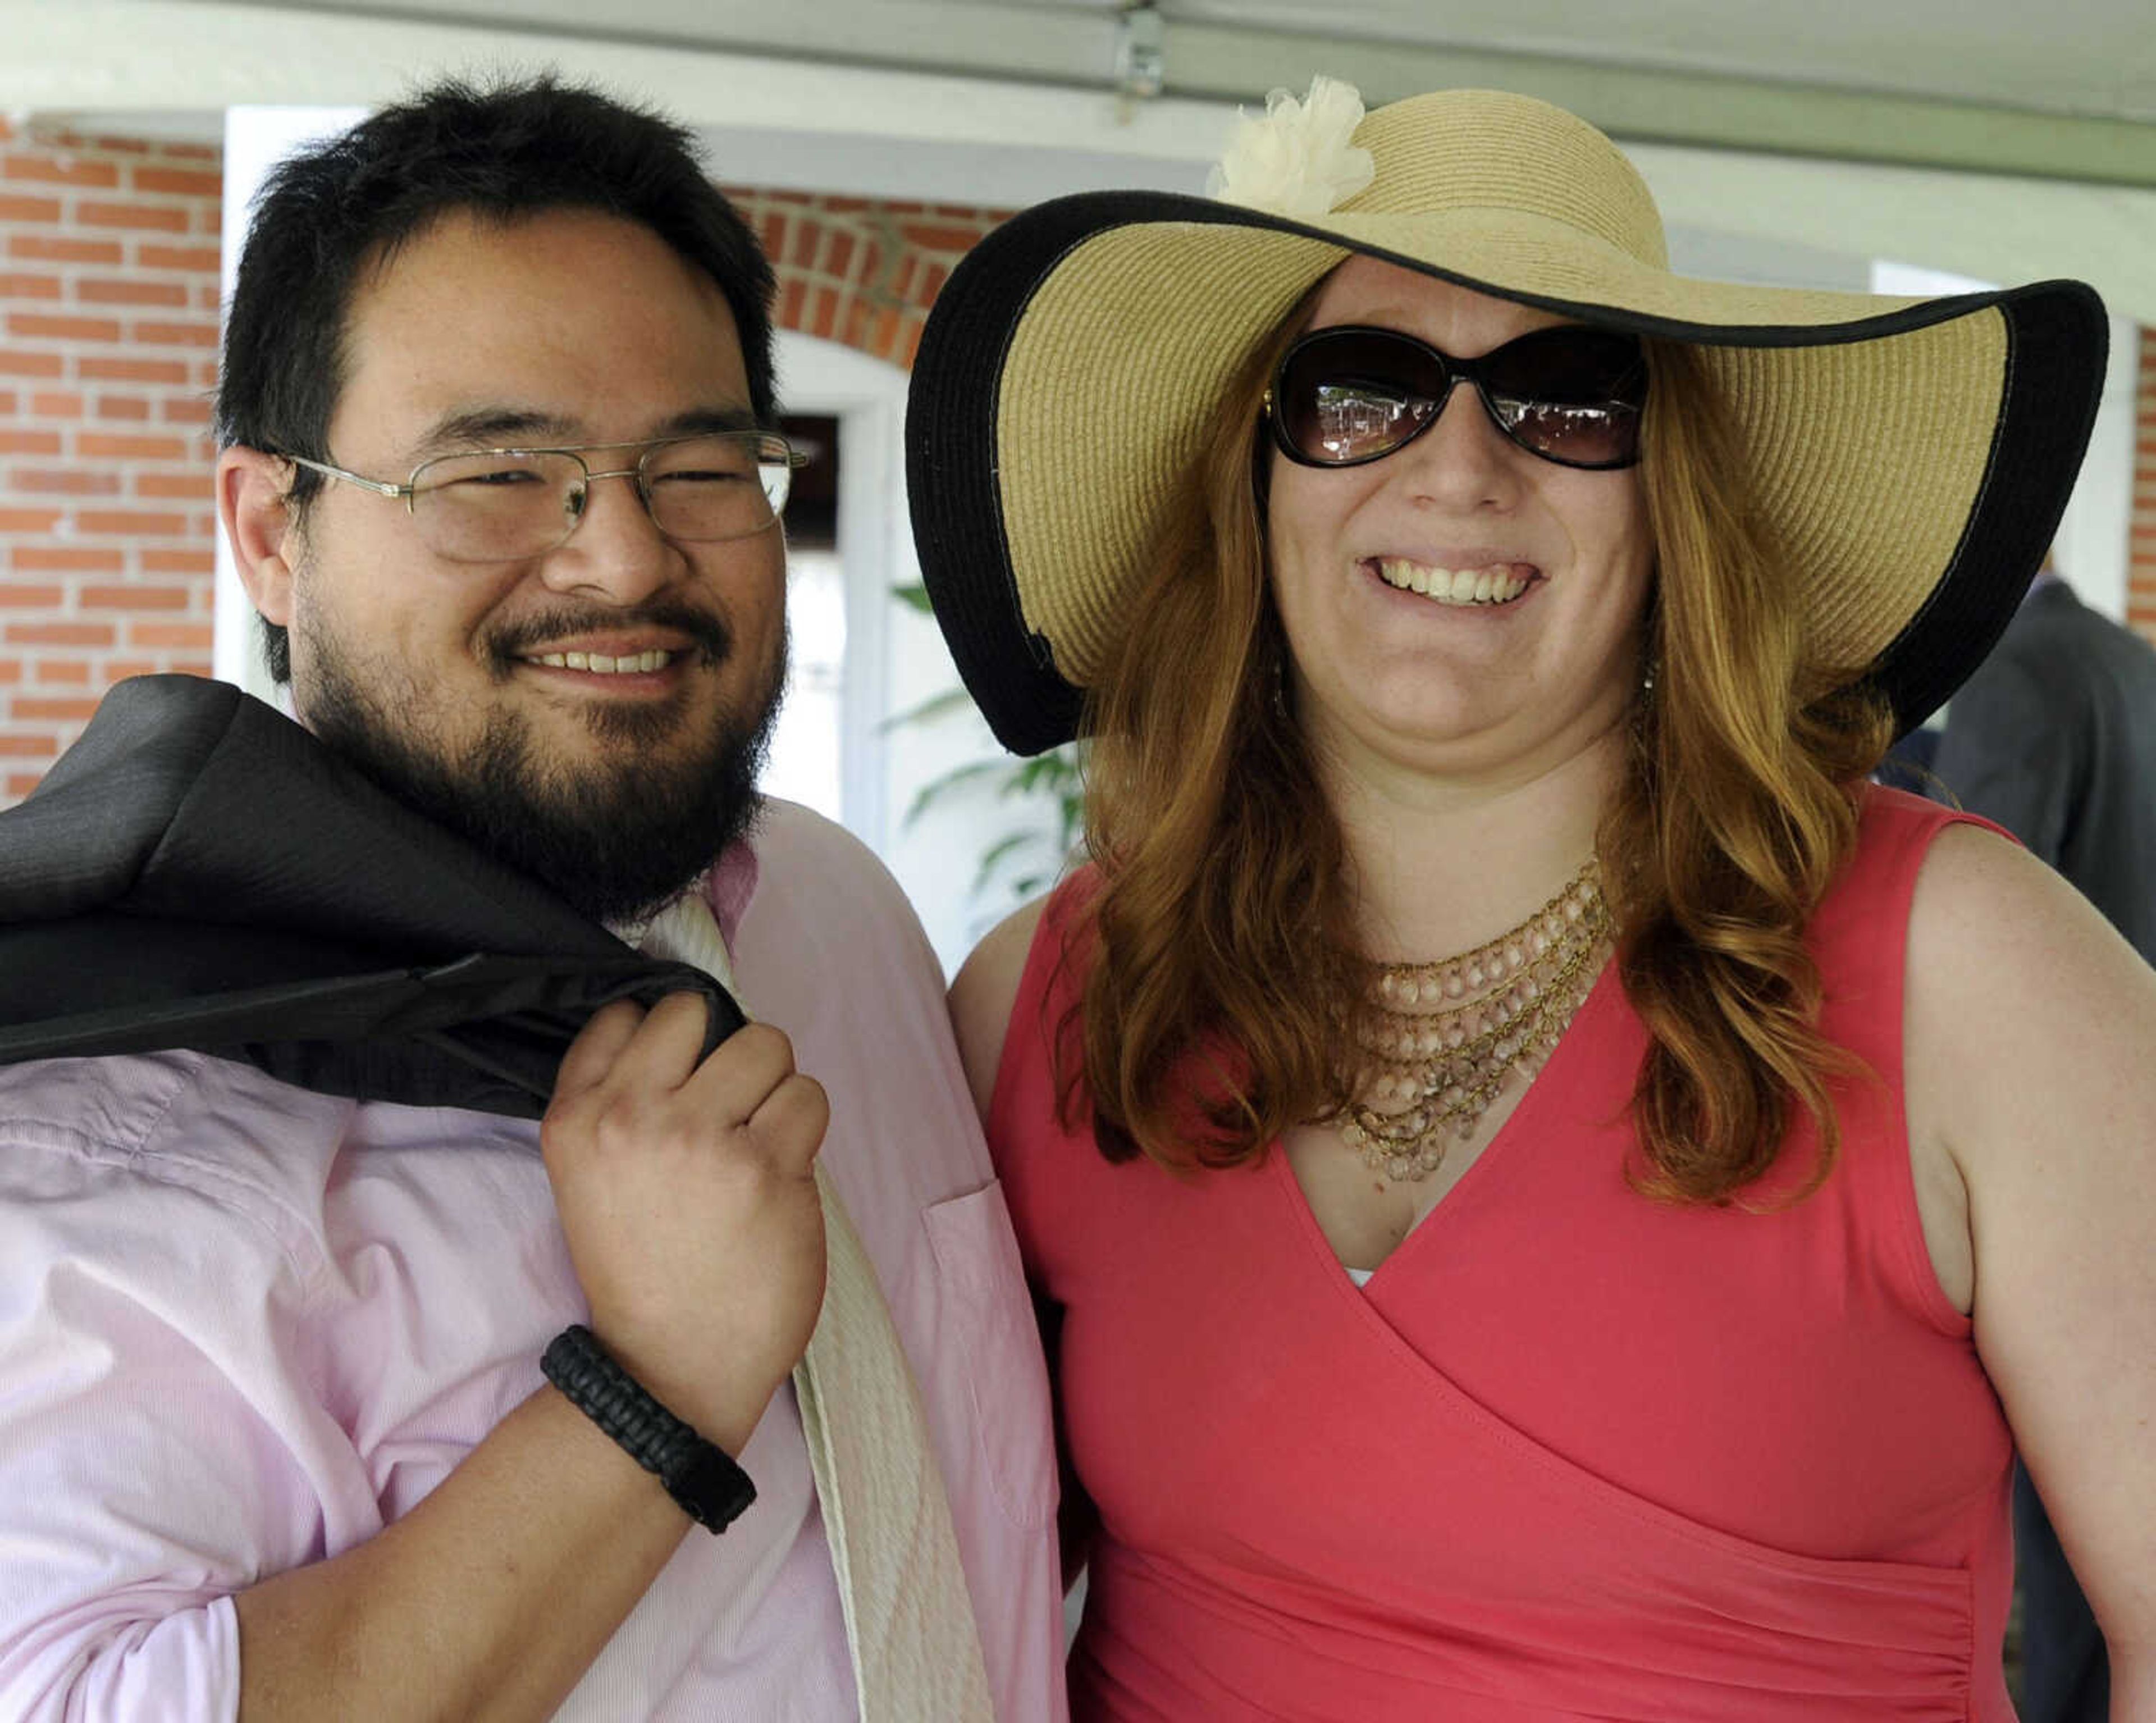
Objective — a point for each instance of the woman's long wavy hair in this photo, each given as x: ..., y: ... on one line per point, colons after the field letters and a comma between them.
x: 1223, y: 975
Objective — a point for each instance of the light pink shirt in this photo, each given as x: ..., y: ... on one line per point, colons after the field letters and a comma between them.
x: 242, y: 1327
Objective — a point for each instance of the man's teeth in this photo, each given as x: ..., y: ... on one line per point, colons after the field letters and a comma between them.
x: 628, y: 664
x: 1452, y: 586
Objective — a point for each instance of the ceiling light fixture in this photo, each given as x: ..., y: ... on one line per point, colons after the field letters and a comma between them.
x: 1141, y: 52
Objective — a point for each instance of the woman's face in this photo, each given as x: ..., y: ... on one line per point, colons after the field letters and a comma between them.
x: 1503, y: 688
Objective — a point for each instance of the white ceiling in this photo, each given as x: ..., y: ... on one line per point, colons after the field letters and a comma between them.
x: 2088, y: 58
x: 2000, y: 139
x: 2058, y: 88
x: 2085, y: 57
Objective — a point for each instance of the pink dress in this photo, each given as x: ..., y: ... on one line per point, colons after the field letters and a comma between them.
x: 1572, y: 1453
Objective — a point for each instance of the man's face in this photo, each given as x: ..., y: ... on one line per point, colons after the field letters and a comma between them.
x: 564, y: 329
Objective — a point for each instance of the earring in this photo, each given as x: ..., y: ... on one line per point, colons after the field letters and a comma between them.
x: 1643, y: 705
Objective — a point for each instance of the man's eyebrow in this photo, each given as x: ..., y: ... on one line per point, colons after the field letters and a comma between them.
x: 512, y: 427
x: 491, y: 428
x: 699, y: 419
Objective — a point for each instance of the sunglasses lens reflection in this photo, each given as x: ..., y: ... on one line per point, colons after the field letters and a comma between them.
x: 1353, y: 395
x: 1570, y: 395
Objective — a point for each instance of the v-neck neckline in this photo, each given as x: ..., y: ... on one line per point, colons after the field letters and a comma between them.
x: 1521, y: 1117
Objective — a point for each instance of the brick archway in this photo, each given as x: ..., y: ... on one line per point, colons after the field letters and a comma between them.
x: 859, y: 270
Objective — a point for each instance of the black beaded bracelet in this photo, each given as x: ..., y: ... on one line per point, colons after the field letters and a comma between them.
x: 712, y: 1489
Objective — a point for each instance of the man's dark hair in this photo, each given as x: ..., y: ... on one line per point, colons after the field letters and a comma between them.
x: 515, y: 150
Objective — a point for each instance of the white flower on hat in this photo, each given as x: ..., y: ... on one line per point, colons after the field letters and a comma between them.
x: 1298, y: 159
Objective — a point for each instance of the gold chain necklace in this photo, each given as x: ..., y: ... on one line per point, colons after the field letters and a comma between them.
x: 1442, y: 1037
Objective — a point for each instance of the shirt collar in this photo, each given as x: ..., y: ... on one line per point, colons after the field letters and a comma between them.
x: 725, y: 889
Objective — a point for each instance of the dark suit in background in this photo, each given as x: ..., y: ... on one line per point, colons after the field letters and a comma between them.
x: 2054, y: 738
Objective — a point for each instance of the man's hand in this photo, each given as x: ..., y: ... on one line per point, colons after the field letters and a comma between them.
x: 687, y: 1194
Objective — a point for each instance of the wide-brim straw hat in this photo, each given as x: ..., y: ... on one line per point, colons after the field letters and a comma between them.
x: 1913, y: 455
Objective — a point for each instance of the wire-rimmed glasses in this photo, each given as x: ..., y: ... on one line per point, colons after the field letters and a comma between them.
x: 503, y: 505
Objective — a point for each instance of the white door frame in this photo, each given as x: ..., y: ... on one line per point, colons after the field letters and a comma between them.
x: 867, y: 397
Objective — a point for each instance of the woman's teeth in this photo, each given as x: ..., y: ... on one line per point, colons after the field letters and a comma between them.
x: 628, y: 664
x: 1495, y: 585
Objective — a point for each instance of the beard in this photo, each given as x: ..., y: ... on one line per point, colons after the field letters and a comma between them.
x: 617, y: 839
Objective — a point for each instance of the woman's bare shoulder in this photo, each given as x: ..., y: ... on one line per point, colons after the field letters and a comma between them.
x: 1994, y: 931
x: 982, y: 996
x: 2029, y: 1023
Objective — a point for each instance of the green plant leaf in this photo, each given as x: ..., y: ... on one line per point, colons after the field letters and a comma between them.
x: 1045, y: 772
x: 936, y: 706
x: 1053, y: 782
x: 993, y: 855
x: 938, y: 789
x: 917, y: 596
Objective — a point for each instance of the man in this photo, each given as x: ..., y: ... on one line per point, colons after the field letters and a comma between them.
x: 275, y: 1437
x: 2054, y: 738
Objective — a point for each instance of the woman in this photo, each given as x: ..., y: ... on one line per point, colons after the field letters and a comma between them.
x: 1549, y: 1198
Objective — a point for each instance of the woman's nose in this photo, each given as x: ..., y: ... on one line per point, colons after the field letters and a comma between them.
x: 1463, y: 459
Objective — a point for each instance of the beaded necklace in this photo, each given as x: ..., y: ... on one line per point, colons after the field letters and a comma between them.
x: 1442, y: 1037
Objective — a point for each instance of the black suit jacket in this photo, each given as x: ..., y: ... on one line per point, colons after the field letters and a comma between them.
x: 198, y: 871
x: 2054, y: 738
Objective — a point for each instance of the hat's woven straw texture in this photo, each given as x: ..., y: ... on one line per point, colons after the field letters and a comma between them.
x: 1480, y: 149
x: 1113, y: 399
x: 1868, y: 468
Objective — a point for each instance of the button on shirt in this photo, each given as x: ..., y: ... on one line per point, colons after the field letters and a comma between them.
x: 242, y: 1327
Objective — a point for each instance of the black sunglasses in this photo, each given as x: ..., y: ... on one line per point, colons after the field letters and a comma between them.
x: 1349, y: 395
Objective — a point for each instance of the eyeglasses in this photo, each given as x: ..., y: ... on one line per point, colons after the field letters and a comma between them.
x: 1350, y: 394
x: 503, y: 505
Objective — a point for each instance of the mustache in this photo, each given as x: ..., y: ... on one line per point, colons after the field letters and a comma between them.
x: 705, y: 631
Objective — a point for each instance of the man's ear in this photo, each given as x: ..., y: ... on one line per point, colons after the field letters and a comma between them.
x: 262, y: 526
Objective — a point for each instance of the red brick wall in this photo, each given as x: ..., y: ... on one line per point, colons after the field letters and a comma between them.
x: 858, y: 270
x: 2141, y: 567
x: 108, y: 334
x: 108, y: 338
